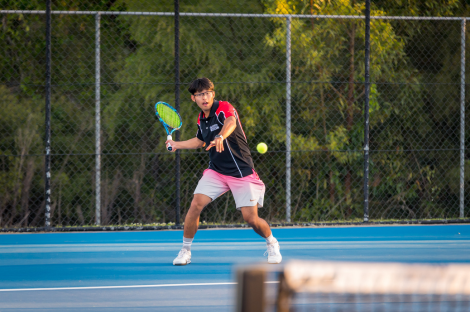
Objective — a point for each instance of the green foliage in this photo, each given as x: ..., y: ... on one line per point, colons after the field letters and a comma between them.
x: 245, y: 58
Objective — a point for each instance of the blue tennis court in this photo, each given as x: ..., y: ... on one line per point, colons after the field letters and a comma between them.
x: 133, y: 271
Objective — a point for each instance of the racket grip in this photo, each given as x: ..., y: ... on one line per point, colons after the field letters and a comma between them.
x: 168, y: 147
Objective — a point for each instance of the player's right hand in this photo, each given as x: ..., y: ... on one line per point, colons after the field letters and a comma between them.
x: 173, y: 144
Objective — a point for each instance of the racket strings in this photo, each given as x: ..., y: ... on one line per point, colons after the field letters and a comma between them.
x: 169, y: 116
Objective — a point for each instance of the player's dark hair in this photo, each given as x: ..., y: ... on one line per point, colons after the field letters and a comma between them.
x: 201, y: 84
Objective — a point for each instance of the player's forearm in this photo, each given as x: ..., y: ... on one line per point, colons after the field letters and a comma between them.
x: 229, y: 126
x: 189, y: 144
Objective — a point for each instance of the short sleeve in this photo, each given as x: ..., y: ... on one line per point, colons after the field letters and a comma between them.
x: 199, y: 133
x: 226, y: 108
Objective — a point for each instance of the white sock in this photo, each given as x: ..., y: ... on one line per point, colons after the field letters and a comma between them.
x: 270, y: 240
x: 187, y: 243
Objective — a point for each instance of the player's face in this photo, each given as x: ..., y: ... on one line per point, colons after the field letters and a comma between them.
x: 204, y: 99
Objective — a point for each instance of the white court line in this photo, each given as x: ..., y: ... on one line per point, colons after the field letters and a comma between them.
x: 130, y: 286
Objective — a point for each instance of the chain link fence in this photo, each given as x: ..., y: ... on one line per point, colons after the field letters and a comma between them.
x: 297, y: 82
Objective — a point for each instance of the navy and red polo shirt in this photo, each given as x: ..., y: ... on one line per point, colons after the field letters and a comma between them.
x: 236, y: 159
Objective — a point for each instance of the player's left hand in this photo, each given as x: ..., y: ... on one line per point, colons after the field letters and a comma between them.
x: 218, y: 143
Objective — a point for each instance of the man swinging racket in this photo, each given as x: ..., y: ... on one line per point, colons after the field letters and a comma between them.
x: 230, y: 168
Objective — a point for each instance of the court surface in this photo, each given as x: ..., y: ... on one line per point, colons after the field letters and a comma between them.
x: 133, y: 271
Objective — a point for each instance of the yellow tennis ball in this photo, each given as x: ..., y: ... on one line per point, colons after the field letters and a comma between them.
x: 262, y: 148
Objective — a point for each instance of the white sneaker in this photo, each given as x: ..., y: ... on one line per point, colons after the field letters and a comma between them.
x: 184, y: 257
x: 274, y: 253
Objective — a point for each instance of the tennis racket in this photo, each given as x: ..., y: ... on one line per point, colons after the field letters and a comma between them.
x: 170, y: 119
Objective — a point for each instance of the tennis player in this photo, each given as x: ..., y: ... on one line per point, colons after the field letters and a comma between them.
x: 230, y: 168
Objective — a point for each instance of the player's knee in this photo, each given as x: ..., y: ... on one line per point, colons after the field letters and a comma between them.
x: 250, y: 219
x: 197, y: 205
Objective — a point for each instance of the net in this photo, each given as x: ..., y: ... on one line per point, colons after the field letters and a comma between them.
x: 169, y: 116
x: 340, y: 286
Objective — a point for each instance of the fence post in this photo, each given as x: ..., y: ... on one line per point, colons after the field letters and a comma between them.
x: 48, y: 115
x: 366, y: 113
x: 288, y: 118
x: 462, y: 119
x: 97, y: 122
x: 177, y: 106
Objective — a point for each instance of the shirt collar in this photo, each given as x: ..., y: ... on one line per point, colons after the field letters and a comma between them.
x: 214, y: 108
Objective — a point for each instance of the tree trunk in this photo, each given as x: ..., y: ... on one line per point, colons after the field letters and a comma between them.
x: 137, y: 180
x: 350, y: 112
x: 26, y: 188
x: 111, y: 193
x: 331, y: 183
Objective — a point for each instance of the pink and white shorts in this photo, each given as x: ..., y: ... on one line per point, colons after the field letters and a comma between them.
x: 247, y: 191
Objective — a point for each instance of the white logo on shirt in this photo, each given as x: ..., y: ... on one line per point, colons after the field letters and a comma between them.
x: 214, y: 127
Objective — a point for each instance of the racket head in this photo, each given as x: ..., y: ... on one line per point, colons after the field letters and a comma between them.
x: 168, y: 116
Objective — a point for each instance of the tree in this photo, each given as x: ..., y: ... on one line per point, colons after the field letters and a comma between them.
x: 329, y: 53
